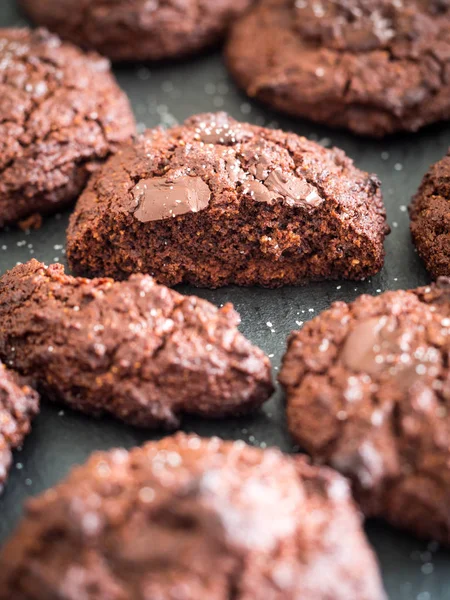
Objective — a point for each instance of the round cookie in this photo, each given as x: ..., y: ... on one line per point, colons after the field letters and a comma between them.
x: 19, y: 403
x: 62, y: 114
x: 430, y: 219
x: 138, y: 29
x: 372, y: 66
x: 214, y: 202
x: 368, y: 392
x: 132, y: 349
x: 192, y: 519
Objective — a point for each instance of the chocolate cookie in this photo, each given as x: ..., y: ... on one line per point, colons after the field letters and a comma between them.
x: 134, y: 349
x: 136, y: 29
x: 372, y: 66
x: 192, y: 519
x: 18, y: 405
x: 368, y: 392
x: 62, y: 114
x: 215, y: 202
x: 430, y: 218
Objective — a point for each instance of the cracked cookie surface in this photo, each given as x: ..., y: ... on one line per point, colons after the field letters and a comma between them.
x: 215, y: 202
x: 61, y: 115
x: 368, y: 389
x: 430, y: 219
x: 133, y: 349
x: 19, y: 403
x: 138, y: 29
x: 372, y: 66
x: 192, y: 519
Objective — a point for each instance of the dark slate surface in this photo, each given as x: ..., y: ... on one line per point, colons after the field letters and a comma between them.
x: 60, y: 438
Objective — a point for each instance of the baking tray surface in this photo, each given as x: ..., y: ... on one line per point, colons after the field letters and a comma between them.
x: 168, y: 94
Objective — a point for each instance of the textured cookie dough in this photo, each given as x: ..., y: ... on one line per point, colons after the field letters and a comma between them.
x: 138, y: 29
x: 192, y: 519
x: 430, y: 219
x: 61, y: 115
x: 134, y: 349
x: 215, y: 202
x: 368, y: 392
x: 372, y: 66
x: 18, y: 405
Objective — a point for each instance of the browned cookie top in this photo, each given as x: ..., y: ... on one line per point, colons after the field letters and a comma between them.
x: 368, y: 391
x: 134, y: 349
x: 18, y: 405
x: 398, y: 26
x: 214, y: 201
x: 430, y: 218
x: 373, y: 66
x: 61, y: 114
x: 138, y: 29
x: 192, y: 519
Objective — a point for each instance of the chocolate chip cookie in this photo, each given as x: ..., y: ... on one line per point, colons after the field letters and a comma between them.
x: 62, y: 114
x: 368, y: 392
x: 215, y: 202
x: 133, y: 349
x: 138, y: 29
x: 372, y: 66
x: 430, y: 219
x: 193, y: 519
x: 18, y: 405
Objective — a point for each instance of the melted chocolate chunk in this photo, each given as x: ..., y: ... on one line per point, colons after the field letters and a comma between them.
x: 363, y: 344
x: 378, y: 346
x: 260, y: 168
x: 261, y: 158
x: 294, y: 189
x: 163, y: 198
x: 258, y: 191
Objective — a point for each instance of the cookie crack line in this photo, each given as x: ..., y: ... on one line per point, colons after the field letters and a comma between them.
x: 81, y: 161
x: 27, y: 117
